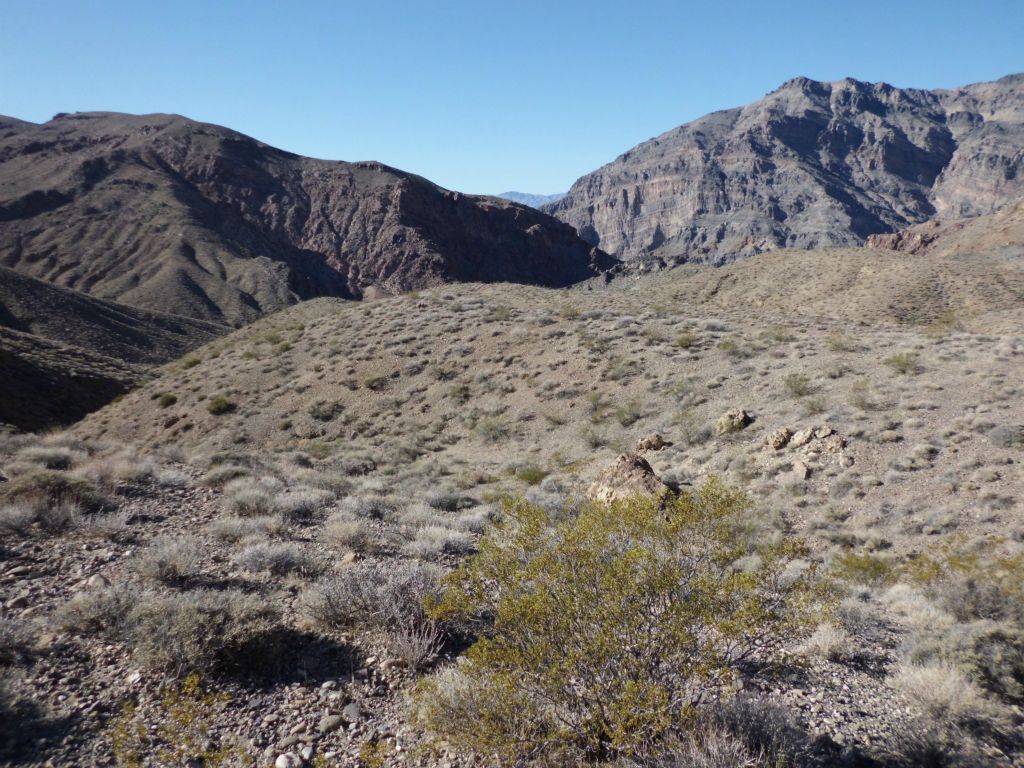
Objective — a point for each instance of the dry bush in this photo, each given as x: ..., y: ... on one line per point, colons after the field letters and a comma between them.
x: 358, y: 535
x: 55, y: 489
x: 250, y: 496
x: 946, y: 696
x: 16, y: 641
x: 168, y: 560
x: 829, y: 642
x: 373, y: 595
x: 277, y: 559
x: 178, y: 633
x: 54, y: 457
x: 432, y: 541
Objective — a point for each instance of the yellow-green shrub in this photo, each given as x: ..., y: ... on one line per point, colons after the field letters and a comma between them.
x: 599, y: 635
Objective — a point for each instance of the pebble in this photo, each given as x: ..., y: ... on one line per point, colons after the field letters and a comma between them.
x: 288, y: 760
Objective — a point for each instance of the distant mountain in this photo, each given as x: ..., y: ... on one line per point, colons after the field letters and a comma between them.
x: 64, y: 354
x: 812, y: 164
x: 167, y: 214
x: 534, y: 201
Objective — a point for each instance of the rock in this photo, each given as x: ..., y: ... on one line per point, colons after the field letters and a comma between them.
x: 97, y: 581
x: 801, y: 438
x: 352, y: 713
x: 652, y: 202
x: 330, y: 723
x: 653, y: 442
x: 779, y: 438
x: 733, y: 421
x: 306, y: 753
x: 823, y: 432
x: 629, y: 476
x: 800, y: 471
x: 288, y: 760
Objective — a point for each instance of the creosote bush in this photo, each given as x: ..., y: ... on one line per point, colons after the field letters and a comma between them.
x: 601, y: 635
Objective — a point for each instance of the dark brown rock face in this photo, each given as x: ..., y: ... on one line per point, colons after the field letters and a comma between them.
x: 164, y: 213
x: 812, y: 164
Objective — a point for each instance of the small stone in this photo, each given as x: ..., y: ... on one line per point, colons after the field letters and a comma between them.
x: 306, y: 753
x: 823, y: 432
x: 330, y: 723
x: 97, y: 581
x: 288, y: 760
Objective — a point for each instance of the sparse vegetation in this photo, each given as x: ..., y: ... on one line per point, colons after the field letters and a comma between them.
x: 550, y: 675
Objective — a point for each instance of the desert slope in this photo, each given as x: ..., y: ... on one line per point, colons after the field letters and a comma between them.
x: 167, y: 214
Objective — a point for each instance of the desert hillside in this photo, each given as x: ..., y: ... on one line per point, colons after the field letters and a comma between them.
x: 811, y: 165
x: 186, y: 218
x: 297, y: 480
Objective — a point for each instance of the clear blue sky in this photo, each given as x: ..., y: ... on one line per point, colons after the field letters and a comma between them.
x: 479, y: 96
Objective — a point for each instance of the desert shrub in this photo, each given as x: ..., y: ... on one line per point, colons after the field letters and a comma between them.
x: 303, y: 503
x: 686, y: 339
x: 181, y: 632
x: 168, y: 560
x: 492, y: 431
x: 799, y: 385
x: 56, y: 457
x: 16, y: 641
x: 55, y: 489
x: 946, y: 696
x: 325, y: 410
x: 829, y: 642
x: 238, y: 528
x: 219, y: 405
x: 166, y: 400
x: 903, y: 362
x: 277, y: 559
x: 531, y: 474
x: 449, y: 501
x: 223, y: 474
x: 17, y: 519
x: 629, y: 413
x: 356, y: 534
x: 923, y: 743
x: 373, y: 595
x: 864, y: 568
x: 371, y: 507
x: 431, y: 541
x: 250, y: 496
x: 601, y: 634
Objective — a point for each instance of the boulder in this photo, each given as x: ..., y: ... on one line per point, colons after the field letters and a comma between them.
x: 653, y: 442
x: 779, y: 438
x: 732, y: 421
x: 801, y: 438
x: 629, y: 476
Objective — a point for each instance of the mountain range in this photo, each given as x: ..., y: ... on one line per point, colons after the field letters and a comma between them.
x: 176, y: 216
x: 812, y: 164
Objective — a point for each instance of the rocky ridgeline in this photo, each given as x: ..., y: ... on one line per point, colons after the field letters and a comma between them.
x: 813, y: 164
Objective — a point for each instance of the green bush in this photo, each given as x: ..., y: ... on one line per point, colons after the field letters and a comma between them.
x: 903, y: 362
x: 601, y: 635
x: 799, y: 385
x: 220, y: 405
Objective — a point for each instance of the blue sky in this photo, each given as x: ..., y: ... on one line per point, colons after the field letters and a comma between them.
x: 478, y: 96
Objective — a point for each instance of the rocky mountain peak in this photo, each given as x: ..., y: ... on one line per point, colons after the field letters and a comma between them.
x: 812, y: 164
